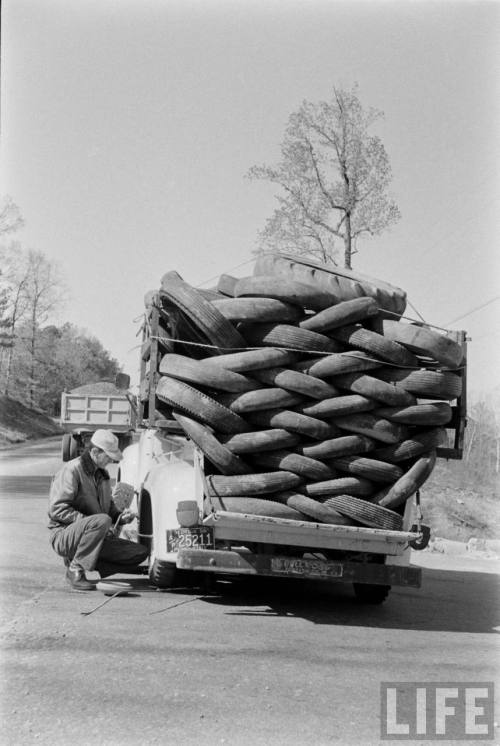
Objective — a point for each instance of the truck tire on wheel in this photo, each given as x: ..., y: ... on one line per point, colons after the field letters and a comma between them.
x: 371, y: 594
x: 69, y: 447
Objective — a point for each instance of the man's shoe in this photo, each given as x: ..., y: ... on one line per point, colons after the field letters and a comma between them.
x: 78, y: 581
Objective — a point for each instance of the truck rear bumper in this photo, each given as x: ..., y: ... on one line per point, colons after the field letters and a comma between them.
x: 247, y: 563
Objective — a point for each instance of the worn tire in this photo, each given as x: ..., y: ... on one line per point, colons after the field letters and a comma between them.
x: 338, y: 447
x: 369, y: 468
x: 347, y: 312
x: 374, y: 344
x: 413, y: 446
x: 299, y: 383
x: 366, y: 423
x: 396, y: 495
x: 251, y: 484
x: 293, y: 422
x: 367, y: 513
x: 218, y: 330
x: 305, y: 467
x: 288, y: 336
x: 374, y: 388
x: 319, y: 512
x: 330, y: 488
x: 227, y: 462
x: 343, y: 284
x: 226, y: 285
x: 289, y: 291
x: 260, y: 399
x: 204, y: 374
x: 260, y: 310
x: 426, y: 384
x: 201, y: 407
x: 423, y: 415
x: 424, y: 341
x: 337, y: 406
x: 260, y: 441
x: 249, y: 360
x: 256, y: 506
x: 337, y: 364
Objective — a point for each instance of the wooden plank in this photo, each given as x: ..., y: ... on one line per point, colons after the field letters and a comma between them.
x: 262, y: 529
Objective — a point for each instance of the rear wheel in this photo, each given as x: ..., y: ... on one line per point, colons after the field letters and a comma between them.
x: 371, y: 594
x: 69, y: 448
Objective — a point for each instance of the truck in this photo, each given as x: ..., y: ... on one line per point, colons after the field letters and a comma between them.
x: 94, y: 406
x: 191, y: 529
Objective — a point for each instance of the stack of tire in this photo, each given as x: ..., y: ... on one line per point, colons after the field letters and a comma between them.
x: 307, y: 403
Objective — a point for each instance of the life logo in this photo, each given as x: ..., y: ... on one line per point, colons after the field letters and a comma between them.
x: 439, y: 711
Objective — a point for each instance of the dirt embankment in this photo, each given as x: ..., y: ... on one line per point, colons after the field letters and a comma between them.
x: 19, y: 423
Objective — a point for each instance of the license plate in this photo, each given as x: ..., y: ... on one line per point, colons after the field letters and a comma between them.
x: 201, y: 537
x: 309, y: 568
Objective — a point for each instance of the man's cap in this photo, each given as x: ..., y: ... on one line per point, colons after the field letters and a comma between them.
x: 107, y: 442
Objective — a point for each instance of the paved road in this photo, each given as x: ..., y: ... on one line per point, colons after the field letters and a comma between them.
x: 259, y: 664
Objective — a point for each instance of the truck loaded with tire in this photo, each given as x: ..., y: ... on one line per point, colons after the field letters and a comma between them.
x: 288, y: 422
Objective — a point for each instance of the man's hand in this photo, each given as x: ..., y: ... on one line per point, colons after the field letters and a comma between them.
x: 127, y: 517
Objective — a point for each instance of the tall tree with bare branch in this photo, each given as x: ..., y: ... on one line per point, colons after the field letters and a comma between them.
x: 333, y: 176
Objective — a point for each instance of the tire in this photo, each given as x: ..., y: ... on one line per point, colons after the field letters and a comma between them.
x: 343, y: 284
x: 330, y: 448
x: 366, y: 513
x: 261, y: 399
x: 294, y: 422
x: 226, y: 285
x: 369, y: 468
x: 330, y: 488
x: 409, y: 483
x: 201, y: 407
x: 423, y: 415
x: 289, y: 291
x: 220, y: 456
x: 426, y: 384
x: 347, y: 312
x: 375, y: 344
x: 260, y: 441
x: 242, y: 362
x: 258, y: 310
x: 304, y: 466
x: 256, y: 506
x: 319, y: 512
x: 424, y: 341
x: 204, y: 374
x: 218, y: 330
x: 337, y: 406
x: 374, y: 388
x: 337, y: 364
x: 249, y: 485
x: 291, y: 337
x: 162, y: 574
x: 375, y: 427
x: 299, y: 383
x: 415, y: 445
x: 371, y: 594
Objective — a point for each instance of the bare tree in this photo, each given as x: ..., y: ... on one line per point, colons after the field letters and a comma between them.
x: 10, y: 216
x: 334, y: 176
x: 33, y: 290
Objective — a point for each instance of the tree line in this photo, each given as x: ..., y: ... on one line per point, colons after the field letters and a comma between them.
x: 38, y: 359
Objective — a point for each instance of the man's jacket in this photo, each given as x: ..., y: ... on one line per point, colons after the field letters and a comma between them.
x: 79, y: 489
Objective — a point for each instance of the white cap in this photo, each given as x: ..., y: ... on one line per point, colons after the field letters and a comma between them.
x: 107, y: 442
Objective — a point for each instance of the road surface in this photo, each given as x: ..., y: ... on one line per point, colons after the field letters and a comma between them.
x: 254, y: 664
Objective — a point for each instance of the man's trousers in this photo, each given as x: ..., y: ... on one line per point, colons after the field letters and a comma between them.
x: 86, y: 543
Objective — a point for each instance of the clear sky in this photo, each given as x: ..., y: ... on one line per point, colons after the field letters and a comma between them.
x: 128, y: 127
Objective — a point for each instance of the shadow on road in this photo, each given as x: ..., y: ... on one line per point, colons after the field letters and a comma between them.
x: 447, y: 601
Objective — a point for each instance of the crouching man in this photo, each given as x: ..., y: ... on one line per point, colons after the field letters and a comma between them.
x: 82, y: 516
